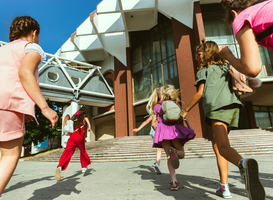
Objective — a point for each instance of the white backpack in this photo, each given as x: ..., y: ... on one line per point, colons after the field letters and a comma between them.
x: 69, y: 127
x: 171, y: 111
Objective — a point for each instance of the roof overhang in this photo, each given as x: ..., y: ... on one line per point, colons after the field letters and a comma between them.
x: 106, y: 31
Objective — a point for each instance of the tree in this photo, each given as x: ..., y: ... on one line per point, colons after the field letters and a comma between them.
x: 38, y: 133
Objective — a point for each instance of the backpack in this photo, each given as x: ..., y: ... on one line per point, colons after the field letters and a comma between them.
x: 69, y: 127
x: 171, y: 111
x: 240, y: 83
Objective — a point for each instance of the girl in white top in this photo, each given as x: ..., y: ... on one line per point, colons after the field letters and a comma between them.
x: 20, y: 91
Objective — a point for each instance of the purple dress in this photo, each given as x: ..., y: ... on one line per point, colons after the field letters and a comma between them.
x: 169, y: 131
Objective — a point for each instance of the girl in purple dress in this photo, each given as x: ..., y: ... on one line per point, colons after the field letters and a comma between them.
x: 170, y: 136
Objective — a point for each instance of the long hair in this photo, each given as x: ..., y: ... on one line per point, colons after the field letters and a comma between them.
x: 154, y: 99
x: 78, y: 118
x: 22, y: 26
x: 210, y: 54
x: 237, y: 5
x: 170, y: 93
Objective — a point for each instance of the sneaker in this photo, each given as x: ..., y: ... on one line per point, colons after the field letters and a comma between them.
x: 173, y: 157
x: 84, y: 170
x: 249, y: 171
x: 174, y: 185
x: 223, y: 191
x: 157, y: 168
x: 58, y: 174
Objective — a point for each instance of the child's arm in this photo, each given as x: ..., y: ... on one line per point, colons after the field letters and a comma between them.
x: 196, y: 98
x: 67, y: 117
x: 26, y: 74
x: 154, y: 119
x: 250, y: 63
x: 147, y: 121
x: 88, y: 123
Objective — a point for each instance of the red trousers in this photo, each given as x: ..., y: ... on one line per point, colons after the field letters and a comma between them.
x: 74, y: 141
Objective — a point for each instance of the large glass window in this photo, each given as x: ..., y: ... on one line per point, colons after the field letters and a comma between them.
x: 146, y: 129
x: 263, y: 116
x: 221, y: 33
x: 153, y: 59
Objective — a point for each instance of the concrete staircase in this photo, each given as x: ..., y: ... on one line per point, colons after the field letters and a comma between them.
x: 246, y: 142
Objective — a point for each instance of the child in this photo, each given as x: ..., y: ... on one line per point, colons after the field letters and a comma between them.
x: 221, y: 107
x: 158, y: 150
x: 249, y: 18
x: 20, y: 91
x: 75, y: 140
x: 170, y: 135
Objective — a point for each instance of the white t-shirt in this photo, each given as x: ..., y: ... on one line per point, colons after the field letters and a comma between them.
x: 36, y: 48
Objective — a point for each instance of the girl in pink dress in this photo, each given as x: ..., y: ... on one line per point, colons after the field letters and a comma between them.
x: 252, y: 25
x: 75, y: 140
x: 20, y: 91
x: 170, y: 135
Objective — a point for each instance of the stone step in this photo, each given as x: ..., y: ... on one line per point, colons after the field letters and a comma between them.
x: 246, y: 142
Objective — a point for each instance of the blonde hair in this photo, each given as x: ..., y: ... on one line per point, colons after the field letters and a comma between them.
x: 237, y: 5
x: 170, y: 93
x: 210, y: 54
x: 154, y: 99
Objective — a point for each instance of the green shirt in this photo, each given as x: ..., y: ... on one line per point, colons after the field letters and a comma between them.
x: 218, y: 90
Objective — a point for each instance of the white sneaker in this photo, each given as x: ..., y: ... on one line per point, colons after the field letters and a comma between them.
x: 223, y: 191
x: 84, y: 170
x: 157, y: 168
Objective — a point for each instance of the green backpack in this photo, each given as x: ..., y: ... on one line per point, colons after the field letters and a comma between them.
x: 171, y: 111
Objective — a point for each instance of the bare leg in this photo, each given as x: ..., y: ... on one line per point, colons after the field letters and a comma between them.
x: 158, y: 155
x: 10, y: 154
x: 222, y: 164
x: 220, y: 133
x: 179, y: 148
x: 166, y: 145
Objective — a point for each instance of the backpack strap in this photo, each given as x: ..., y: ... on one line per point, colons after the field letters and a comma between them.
x: 265, y: 32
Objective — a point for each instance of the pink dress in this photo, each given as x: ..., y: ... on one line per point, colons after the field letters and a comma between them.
x: 170, y: 131
x: 14, y: 101
x: 259, y: 18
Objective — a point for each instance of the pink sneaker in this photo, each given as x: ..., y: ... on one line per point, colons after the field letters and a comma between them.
x: 173, y: 157
x: 174, y: 185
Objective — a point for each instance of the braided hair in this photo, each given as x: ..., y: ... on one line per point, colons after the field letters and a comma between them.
x: 22, y: 26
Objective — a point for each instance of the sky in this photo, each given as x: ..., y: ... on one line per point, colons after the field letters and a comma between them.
x: 58, y: 19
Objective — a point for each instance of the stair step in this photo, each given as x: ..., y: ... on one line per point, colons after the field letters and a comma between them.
x: 246, y: 142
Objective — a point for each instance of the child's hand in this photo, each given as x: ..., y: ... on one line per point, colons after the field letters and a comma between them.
x: 51, y: 115
x: 224, y: 52
x: 135, y: 130
x: 28, y: 118
x: 183, y: 115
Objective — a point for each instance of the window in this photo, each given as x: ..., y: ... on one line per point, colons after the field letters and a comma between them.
x: 52, y: 76
x: 153, y: 59
x: 146, y: 129
x: 76, y: 80
x: 221, y: 33
x: 263, y: 116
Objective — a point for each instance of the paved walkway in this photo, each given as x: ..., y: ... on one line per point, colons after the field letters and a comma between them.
x: 129, y: 180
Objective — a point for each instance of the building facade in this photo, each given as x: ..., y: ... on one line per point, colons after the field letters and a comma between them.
x: 144, y: 44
